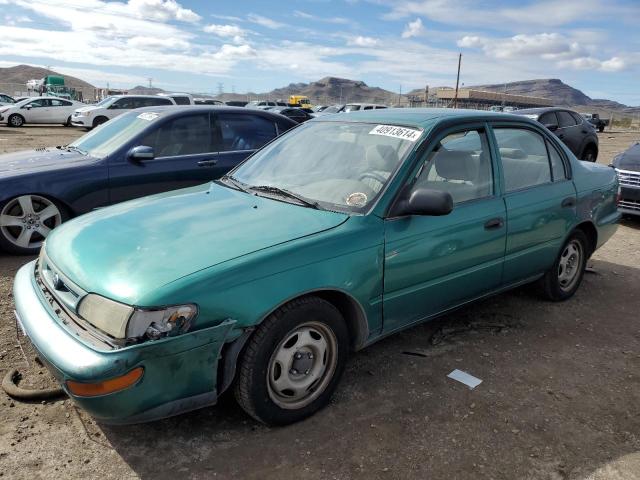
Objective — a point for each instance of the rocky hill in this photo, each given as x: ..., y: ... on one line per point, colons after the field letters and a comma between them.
x: 140, y: 90
x: 21, y: 74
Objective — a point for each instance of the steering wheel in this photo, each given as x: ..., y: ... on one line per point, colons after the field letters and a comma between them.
x: 375, y: 176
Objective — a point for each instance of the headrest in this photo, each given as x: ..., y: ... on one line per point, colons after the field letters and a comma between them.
x: 381, y: 157
x: 456, y: 165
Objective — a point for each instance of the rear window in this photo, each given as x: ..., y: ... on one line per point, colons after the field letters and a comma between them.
x: 181, y: 100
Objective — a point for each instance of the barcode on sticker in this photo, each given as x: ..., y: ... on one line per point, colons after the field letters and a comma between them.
x: 403, y: 133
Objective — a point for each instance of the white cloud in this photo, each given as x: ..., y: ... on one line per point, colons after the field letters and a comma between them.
x: 414, y: 29
x: 158, y: 43
x: 234, y: 32
x: 264, y: 21
x: 614, y: 64
x: 470, y: 41
x: 315, y: 18
x: 361, y: 41
x: 162, y: 10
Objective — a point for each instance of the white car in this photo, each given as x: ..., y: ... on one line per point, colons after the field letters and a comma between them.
x: 353, y: 107
x: 180, y: 98
x: 91, y: 116
x: 38, y: 110
x: 6, y: 99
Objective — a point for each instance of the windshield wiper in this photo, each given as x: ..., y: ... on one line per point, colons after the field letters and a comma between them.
x: 73, y: 148
x: 237, y: 184
x: 286, y: 193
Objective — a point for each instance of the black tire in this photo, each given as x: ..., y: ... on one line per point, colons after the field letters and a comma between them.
x: 589, y: 154
x: 551, y: 284
x: 252, y: 388
x: 99, y: 121
x: 15, y: 120
x: 68, y: 122
x: 601, y: 128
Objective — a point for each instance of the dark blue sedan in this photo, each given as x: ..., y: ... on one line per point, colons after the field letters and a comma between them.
x: 146, y: 151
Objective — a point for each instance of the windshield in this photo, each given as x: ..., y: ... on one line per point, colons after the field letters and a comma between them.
x: 107, y: 138
x: 332, y: 109
x: 341, y: 166
x: 104, y: 102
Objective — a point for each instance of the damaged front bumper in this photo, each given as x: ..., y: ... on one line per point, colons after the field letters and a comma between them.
x: 180, y: 373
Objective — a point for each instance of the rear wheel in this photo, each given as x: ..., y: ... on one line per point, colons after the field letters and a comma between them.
x: 25, y: 222
x: 564, y: 278
x: 601, y: 128
x: 15, y: 120
x: 590, y: 154
x: 293, y: 362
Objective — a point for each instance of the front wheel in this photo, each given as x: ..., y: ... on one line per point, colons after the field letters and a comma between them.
x: 25, y: 222
x: 564, y: 278
x: 16, y: 120
x: 293, y: 362
x: 590, y: 154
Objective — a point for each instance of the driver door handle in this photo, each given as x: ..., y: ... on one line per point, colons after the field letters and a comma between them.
x: 207, y: 163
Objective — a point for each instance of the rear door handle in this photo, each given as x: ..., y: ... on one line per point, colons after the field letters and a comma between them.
x: 568, y: 202
x: 207, y: 163
x: 494, y: 224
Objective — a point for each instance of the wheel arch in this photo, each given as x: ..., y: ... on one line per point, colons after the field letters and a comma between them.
x: 589, y: 144
x: 350, y: 309
x: 588, y: 228
x: 24, y: 120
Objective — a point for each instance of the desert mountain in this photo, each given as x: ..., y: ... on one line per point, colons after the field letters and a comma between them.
x: 21, y: 74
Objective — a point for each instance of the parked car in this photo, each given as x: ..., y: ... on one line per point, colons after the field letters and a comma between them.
x: 570, y: 127
x: 338, y: 108
x: 333, y: 236
x: 595, y: 120
x: 354, y: 107
x: 138, y: 153
x: 207, y: 101
x: 93, y: 115
x: 39, y: 110
x: 296, y: 114
x: 6, y: 99
x: 235, y: 103
x: 319, y: 108
x: 261, y: 104
x: 627, y: 165
x: 179, y: 98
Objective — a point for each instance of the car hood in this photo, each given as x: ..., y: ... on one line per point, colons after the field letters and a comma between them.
x: 130, y: 249
x: 43, y: 159
x: 87, y: 109
x: 629, y: 160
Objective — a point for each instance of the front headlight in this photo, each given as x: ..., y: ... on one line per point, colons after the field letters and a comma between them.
x: 122, y: 321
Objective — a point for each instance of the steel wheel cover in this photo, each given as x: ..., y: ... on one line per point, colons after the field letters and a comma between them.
x: 569, y: 265
x: 26, y: 221
x: 302, y: 365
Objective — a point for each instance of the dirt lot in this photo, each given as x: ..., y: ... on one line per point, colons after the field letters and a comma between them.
x: 560, y: 396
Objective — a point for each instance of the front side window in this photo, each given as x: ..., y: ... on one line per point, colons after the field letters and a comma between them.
x: 341, y: 166
x: 524, y: 158
x: 459, y: 164
x: 182, y: 136
x: 37, y: 103
x: 123, y: 104
x: 548, y: 119
x: 244, y: 132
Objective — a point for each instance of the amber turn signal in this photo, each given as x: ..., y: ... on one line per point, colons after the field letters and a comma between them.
x: 108, y: 386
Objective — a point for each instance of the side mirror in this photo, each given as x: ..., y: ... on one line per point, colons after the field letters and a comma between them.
x: 552, y: 127
x: 141, y: 152
x: 27, y: 107
x: 425, y: 201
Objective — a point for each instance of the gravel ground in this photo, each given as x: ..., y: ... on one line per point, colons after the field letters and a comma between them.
x: 559, y: 397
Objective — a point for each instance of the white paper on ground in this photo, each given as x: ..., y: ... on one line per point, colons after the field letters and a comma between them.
x: 463, y: 377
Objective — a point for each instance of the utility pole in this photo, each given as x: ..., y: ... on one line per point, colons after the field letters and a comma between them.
x: 400, y: 96
x: 220, y: 88
x: 455, y: 98
x: 150, y: 82
x: 426, y: 95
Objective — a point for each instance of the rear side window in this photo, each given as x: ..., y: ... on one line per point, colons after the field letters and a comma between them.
x: 565, y: 119
x: 153, y: 102
x: 243, y: 132
x: 548, y: 119
x: 577, y: 117
x: 180, y: 100
x: 59, y: 103
x: 524, y: 158
x: 187, y: 135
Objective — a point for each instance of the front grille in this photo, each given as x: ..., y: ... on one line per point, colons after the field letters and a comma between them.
x: 63, y: 297
x: 628, y: 178
x: 629, y: 205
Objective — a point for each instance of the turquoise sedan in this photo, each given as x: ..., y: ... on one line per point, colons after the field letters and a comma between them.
x: 339, y: 233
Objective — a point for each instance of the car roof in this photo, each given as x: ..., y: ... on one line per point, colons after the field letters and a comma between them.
x: 416, y: 117
x: 541, y: 110
x: 137, y: 96
x: 166, y: 111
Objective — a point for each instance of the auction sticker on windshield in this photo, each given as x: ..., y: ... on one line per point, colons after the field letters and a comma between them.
x: 148, y: 116
x: 403, y: 133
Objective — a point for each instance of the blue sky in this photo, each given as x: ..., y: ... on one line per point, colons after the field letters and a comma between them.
x: 259, y: 45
